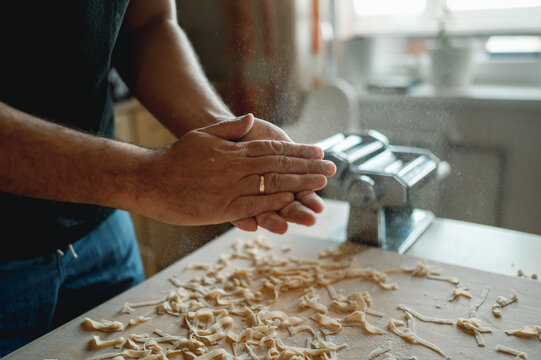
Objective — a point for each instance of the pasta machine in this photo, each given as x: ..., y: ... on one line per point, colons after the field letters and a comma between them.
x: 380, y: 182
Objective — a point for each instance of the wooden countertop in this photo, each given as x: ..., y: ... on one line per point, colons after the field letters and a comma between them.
x: 447, y: 242
x: 428, y: 297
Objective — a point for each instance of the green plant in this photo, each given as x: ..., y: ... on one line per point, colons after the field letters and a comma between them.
x: 443, y: 38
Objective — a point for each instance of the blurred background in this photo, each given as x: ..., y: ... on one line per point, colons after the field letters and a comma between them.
x: 461, y: 78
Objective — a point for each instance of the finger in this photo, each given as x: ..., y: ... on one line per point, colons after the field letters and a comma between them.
x: 311, y: 200
x: 272, y: 222
x: 276, y: 183
x: 275, y: 132
x: 232, y: 129
x: 274, y: 147
x: 248, y: 206
x: 298, y: 213
x: 246, y: 224
x: 285, y: 164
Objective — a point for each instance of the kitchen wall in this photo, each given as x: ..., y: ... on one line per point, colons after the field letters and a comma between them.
x: 492, y: 144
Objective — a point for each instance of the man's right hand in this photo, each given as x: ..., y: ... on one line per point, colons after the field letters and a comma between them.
x: 206, y: 177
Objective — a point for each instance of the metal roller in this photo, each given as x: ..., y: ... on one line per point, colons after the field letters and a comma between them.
x: 378, y: 180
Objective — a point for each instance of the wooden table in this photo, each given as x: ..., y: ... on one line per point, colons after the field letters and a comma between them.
x: 428, y: 297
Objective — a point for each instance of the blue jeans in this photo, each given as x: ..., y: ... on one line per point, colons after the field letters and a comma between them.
x: 39, y: 294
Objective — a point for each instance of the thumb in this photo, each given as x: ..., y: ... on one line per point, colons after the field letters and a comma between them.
x: 231, y: 129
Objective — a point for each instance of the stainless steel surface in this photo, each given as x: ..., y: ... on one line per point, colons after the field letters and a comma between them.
x: 380, y: 182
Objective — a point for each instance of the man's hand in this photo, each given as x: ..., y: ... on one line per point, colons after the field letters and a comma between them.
x: 301, y: 211
x: 210, y: 176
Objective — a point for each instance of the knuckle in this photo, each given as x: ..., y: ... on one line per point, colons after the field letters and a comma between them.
x: 263, y: 219
x: 286, y: 163
x: 278, y: 146
x: 303, y: 194
x: 250, y: 206
x: 274, y: 182
x: 239, y: 147
x: 283, y: 200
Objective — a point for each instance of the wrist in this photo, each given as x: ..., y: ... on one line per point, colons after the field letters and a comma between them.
x: 134, y: 180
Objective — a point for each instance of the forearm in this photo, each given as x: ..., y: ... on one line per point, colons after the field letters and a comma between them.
x: 165, y: 75
x: 49, y: 161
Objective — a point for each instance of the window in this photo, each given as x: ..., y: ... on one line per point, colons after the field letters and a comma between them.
x: 458, y: 5
x: 420, y: 17
x: 514, y: 45
x: 495, y: 16
x: 388, y: 7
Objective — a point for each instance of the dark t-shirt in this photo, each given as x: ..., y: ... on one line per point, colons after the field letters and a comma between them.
x: 54, y: 61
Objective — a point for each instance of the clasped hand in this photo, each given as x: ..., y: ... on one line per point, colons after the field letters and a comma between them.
x: 210, y: 176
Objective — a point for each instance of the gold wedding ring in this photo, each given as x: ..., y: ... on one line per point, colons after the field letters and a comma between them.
x: 261, y: 184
